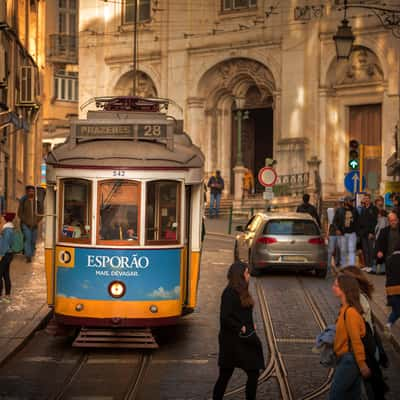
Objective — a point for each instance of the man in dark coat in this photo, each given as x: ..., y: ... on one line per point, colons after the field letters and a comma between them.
x: 308, y: 208
x: 367, y: 221
x: 389, y: 239
x: 345, y: 222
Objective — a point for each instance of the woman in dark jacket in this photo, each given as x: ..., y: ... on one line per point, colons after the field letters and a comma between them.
x: 239, y: 345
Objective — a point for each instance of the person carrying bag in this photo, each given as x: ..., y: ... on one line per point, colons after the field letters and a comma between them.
x: 239, y: 345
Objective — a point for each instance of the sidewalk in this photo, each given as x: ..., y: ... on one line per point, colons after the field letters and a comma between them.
x: 28, y: 307
x: 380, y: 310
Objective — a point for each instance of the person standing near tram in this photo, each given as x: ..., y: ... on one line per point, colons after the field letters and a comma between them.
x: 29, y: 220
x: 216, y: 185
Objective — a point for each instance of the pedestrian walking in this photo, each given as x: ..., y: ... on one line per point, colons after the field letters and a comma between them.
x: 333, y: 239
x: 348, y: 346
x: 216, y: 185
x: 393, y: 289
x: 367, y: 222
x: 247, y: 184
x: 29, y: 221
x: 6, y: 255
x: 308, y: 208
x: 345, y: 222
x: 375, y: 386
x: 383, y: 222
x: 389, y: 239
x: 239, y: 345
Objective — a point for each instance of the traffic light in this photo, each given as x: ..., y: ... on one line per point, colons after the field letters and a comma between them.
x: 354, y: 154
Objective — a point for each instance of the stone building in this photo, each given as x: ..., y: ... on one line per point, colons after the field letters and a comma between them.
x: 21, y: 62
x: 279, y: 57
x: 60, y: 75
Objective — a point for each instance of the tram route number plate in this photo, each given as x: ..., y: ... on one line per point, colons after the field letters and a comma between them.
x: 144, y: 131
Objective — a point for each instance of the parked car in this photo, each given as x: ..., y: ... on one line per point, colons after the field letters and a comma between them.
x: 282, y: 241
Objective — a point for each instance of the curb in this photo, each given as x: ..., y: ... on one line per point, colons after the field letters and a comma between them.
x: 225, y: 235
x: 15, y: 343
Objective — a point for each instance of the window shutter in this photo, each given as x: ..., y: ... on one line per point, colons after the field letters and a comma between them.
x: 27, y: 85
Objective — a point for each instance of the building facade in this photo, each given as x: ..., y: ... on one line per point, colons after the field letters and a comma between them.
x: 302, y: 106
x: 60, y: 84
x: 21, y: 62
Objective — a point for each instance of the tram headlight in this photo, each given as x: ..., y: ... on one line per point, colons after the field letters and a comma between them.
x: 153, y: 308
x: 117, y: 289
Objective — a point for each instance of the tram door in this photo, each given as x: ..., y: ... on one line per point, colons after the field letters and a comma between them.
x: 187, y: 243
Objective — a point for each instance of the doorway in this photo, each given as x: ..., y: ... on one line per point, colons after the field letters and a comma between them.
x: 257, y: 142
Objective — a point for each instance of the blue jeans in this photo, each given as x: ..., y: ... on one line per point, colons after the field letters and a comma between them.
x: 214, y: 208
x: 346, y: 382
x: 394, y: 301
x: 378, y: 268
x: 30, y: 237
x: 347, y: 244
x: 333, y: 247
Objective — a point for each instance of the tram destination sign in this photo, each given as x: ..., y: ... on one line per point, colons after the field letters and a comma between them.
x: 140, y: 131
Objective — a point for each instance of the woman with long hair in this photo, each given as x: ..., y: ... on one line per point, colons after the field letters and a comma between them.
x: 348, y: 346
x: 366, y: 290
x: 239, y: 345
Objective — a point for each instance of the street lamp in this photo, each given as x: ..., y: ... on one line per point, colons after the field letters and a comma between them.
x: 240, y: 115
x: 344, y: 38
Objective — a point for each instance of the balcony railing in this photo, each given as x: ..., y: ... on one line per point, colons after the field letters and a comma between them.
x: 294, y: 184
x: 63, y: 48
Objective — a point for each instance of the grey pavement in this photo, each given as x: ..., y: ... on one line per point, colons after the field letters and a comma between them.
x: 28, y: 307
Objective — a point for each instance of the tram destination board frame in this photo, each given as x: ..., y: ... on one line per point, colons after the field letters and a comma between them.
x: 121, y: 131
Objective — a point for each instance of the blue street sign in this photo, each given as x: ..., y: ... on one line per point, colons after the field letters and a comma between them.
x: 388, y: 201
x: 351, y: 182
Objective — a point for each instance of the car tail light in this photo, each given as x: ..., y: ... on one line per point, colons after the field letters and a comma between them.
x: 317, y: 240
x: 266, y: 240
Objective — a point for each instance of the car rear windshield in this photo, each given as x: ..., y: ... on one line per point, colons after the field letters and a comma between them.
x: 291, y: 227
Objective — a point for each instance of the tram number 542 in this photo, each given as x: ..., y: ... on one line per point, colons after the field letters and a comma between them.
x: 118, y: 173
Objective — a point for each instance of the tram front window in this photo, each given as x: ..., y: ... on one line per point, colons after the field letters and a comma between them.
x: 118, y: 211
x: 76, y: 224
x: 162, y: 211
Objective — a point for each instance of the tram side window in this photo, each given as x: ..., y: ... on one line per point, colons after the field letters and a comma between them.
x: 119, y: 205
x: 76, y: 222
x: 162, y: 211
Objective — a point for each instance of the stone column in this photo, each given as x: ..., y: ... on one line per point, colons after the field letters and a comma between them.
x: 238, y: 171
x: 196, y: 125
x: 314, y: 180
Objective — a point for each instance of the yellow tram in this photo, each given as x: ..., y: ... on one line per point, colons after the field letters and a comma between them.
x: 124, y: 207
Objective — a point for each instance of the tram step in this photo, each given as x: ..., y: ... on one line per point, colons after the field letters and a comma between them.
x: 116, y: 338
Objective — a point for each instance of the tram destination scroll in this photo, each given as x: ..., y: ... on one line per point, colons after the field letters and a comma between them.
x: 112, y: 131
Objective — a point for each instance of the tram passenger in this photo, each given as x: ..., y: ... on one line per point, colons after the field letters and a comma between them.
x: 239, y: 345
x: 348, y: 346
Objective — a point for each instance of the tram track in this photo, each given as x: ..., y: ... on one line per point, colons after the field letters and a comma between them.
x: 133, y: 387
x: 276, y: 368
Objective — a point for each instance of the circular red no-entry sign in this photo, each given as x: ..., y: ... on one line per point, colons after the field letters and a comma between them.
x: 267, y: 176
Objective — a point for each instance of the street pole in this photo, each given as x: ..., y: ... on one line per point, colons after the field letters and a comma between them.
x: 361, y: 167
x: 239, y: 115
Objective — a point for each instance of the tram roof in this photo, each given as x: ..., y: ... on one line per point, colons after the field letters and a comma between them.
x: 105, y: 153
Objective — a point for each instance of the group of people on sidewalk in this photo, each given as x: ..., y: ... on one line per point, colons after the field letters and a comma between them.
x: 29, y: 220
x: 358, y: 353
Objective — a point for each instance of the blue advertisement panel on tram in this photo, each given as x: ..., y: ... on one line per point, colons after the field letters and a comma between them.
x: 147, y: 274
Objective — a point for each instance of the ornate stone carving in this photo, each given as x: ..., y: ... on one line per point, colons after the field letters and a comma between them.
x: 144, y: 85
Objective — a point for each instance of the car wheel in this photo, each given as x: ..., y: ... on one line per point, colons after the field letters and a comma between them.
x: 321, y: 273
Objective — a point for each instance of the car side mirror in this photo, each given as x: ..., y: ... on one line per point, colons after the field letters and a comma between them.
x: 239, y: 228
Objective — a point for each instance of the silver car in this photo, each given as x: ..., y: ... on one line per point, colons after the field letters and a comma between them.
x: 282, y: 240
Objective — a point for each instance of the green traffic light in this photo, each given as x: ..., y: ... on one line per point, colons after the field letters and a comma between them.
x: 354, y: 164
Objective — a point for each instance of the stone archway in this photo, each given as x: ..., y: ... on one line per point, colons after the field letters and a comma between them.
x: 353, y: 103
x: 145, y: 86
x: 219, y: 88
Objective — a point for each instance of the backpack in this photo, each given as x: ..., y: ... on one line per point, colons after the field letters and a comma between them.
x: 17, y: 241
